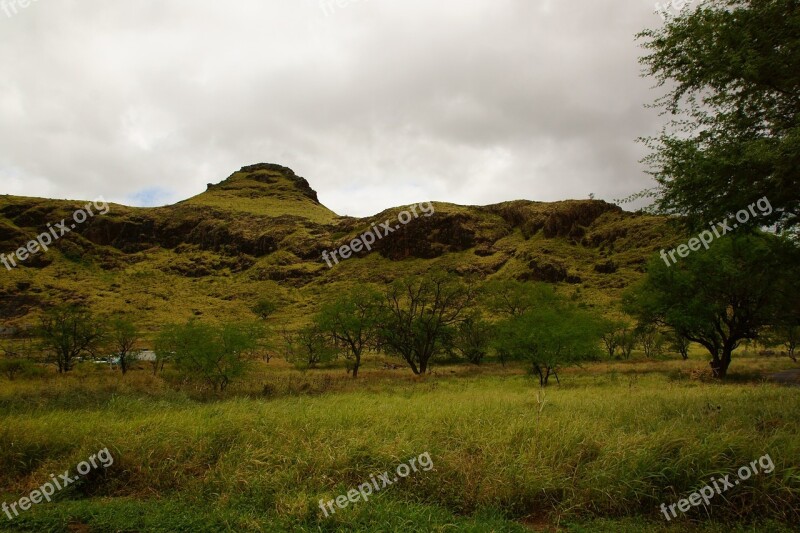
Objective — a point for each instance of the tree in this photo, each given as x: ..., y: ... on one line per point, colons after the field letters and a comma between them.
x: 215, y: 355
x: 786, y: 329
x: 265, y: 308
x: 351, y: 320
x: 718, y: 297
x: 513, y: 298
x: 11, y: 367
x: 679, y: 343
x: 613, y: 337
x: 417, y: 314
x: 790, y: 336
x: 473, y: 337
x: 731, y: 69
x: 123, y: 336
x: 627, y: 342
x: 550, y: 338
x: 310, y: 347
x: 650, y: 339
x: 67, y: 332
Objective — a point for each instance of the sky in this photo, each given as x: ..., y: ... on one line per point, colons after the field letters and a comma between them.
x: 378, y: 103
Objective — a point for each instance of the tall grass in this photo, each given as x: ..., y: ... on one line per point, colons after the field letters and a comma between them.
x: 603, y: 446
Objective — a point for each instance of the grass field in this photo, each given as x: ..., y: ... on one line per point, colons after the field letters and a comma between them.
x: 601, y: 452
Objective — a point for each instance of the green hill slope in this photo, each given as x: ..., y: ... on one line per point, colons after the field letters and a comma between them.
x: 262, y: 231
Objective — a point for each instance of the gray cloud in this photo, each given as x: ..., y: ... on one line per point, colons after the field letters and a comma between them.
x: 378, y: 103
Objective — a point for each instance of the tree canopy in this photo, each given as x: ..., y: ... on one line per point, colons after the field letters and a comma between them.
x: 549, y: 337
x: 732, y: 73
x: 721, y: 296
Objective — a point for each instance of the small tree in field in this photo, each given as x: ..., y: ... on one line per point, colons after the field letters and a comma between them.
x: 417, y: 315
x: 628, y: 339
x: 473, y: 337
x: 791, y: 338
x: 679, y: 343
x: 550, y: 338
x: 351, y: 320
x: 123, y: 336
x: 11, y: 368
x: 786, y: 329
x: 311, y: 347
x: 651, y: 340
x: 68, y: 332
x: 613, y: 337
x: 215, y: 355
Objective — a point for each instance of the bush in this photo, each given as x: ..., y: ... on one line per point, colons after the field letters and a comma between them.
x: 14, y: 368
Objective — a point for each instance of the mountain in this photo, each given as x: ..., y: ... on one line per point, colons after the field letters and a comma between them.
x: 262, y: 232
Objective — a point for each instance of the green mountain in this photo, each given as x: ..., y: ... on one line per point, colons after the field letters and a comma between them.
x: 262, y: 232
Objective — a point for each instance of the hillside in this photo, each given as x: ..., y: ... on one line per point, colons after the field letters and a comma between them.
x: 262, y: 232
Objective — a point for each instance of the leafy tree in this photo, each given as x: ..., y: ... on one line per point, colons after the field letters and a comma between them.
x: 510, y: 298
x: 731, y: 69
x: 123, y: 336
x: 650, y: 339
x: 627, y: 342
x: 66, y: 333
x: 551, y: 337
x: 719, y: 297
x: 417, y: 314
x: 791, y: 337
x: 265, y: 308
x: 352, y: 320
x: 613, y: 337
x: 310, y: 347
x: 473, y: 337
x: 679, y: 343
x: 513, y: 298
x: 215, y: 355
x: 786, y: 330
x: 11, y: 367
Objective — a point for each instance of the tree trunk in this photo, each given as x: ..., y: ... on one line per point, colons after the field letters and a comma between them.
x: 719, y: 365
x: 542, y: 380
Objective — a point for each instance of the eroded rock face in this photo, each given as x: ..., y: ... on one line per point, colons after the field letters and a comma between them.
x: 549, y: 271
x: 567, y: 219
x: 17, y: 303
x: 301, y: 183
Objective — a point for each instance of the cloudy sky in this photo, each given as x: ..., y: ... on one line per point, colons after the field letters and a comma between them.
x: 377, y: 103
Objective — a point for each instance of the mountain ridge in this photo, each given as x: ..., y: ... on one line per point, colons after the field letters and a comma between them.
x: 263, y: 229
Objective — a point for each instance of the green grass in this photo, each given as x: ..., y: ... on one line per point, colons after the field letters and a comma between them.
x: 609, y: 446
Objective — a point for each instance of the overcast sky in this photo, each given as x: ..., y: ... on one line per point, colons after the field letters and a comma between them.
x: 378, y: 103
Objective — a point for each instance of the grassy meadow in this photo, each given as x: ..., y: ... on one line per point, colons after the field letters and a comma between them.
x: 600, y: 452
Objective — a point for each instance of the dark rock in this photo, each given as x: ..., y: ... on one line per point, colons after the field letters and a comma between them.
x: 609, y: 267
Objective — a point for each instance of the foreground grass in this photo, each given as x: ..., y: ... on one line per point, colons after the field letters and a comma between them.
x: 600, y: 453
